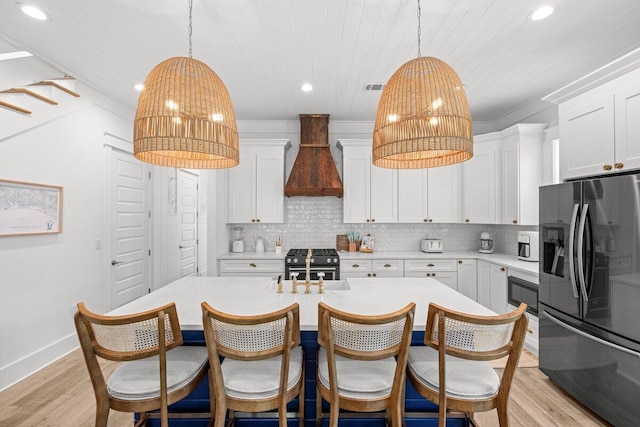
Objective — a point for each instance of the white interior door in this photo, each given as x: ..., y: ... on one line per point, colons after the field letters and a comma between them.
x: 187, y: 223
x: 130, y: 254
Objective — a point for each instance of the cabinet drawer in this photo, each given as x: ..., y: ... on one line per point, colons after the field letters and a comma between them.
x: 447, y: 277
x: 251, y: 266
x: 383, y: 266
x: 430, y: 265
x: 348, y: 266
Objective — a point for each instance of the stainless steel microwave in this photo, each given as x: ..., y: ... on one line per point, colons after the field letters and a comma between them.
x: 520, y: 290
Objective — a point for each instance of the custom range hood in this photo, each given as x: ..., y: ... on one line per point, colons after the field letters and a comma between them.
x: 314, y: 172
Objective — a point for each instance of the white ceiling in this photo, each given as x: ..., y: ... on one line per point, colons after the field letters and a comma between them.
x: 265, y: 49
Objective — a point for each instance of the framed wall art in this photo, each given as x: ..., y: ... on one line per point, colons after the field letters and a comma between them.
x: 28, y: 208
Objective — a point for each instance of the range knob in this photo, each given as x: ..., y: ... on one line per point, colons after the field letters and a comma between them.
x: 295, y: 260
x: 288, y: 260
x: 335, y: 260
x: 312, y: 260
x: 328, y: 260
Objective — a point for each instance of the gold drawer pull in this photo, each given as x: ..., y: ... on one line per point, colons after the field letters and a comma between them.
x: 502, y: 269
x: 429, y: 265
x: 607, y: 167
x: 515, y: 221
x: 459, y: 261
x: 466, y: 220
x: 619, y: 165
x: 252, y: 264
x: 529, y: 330
x: 387, y: 265
x: 355, y: 266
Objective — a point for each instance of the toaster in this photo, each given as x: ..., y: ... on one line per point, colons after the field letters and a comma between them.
x: 431, y: 245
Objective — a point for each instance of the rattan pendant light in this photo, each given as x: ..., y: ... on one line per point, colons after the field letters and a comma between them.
x: 185, y: 118
x: 423, y: 118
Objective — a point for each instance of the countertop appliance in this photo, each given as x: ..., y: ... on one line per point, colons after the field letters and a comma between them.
x: 486, y: 243
x: 589, y: 293
x: 259, y: 244
x: 237, y: 245
x: 322, y: 260
x: 528, y: 246
x: 431, y: 245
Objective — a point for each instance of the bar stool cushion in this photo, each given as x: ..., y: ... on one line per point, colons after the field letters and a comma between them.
x: 259, y: 379
x: 468, y: 379
x: 140, y: 379
x: 364, y: 379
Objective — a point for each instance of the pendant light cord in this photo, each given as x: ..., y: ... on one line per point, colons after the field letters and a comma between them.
x: 419, y: 29
x: 191, y: 28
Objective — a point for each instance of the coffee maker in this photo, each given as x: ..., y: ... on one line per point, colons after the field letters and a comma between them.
x: 486, y: 243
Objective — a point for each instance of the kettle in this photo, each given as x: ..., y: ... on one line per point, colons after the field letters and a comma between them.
x: 259, y: 244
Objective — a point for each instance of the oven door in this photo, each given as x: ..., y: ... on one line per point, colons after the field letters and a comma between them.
x: 520, y: 290
x: 330, y: 273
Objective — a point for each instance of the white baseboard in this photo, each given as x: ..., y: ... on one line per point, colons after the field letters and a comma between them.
x: 28, y: 365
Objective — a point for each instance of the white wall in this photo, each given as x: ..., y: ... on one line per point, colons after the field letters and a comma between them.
x: 43, y: 277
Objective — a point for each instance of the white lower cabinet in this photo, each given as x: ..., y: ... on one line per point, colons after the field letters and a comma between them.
x: 371, y: 268
x: 531, y: 339
x: 250, y: 267
x: 444, y: 271
x: 468, y: 278
x: 492, y: 286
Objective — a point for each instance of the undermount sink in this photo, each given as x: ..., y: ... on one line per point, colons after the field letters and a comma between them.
x: 328, y: 285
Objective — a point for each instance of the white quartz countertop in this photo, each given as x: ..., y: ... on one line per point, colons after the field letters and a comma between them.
x: 257, y: 295
x: 509, y: 261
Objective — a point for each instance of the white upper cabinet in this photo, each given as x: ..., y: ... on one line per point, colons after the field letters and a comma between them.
x: 521, y: 173
x: 587, y: 139
x: 370, y: 192
x: 256, y: 185
x: 627, y: 128
x: 481, y: 181
x: 598, y: 122
x: 430, y: 195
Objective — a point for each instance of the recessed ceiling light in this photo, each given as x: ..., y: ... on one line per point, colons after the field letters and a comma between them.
x: 306, y: 87
x: 14, y: 55
x: 541, y: 13
x: 139, y: 87
x: 33, y: 12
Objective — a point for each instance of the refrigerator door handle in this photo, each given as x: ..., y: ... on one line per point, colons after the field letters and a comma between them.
x: 591, y: 337
x: 583, y: 222
x: 572, y: 267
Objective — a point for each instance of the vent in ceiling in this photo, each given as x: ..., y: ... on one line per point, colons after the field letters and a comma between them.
x: 373, y: 87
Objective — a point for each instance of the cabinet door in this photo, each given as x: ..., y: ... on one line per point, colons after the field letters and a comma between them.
x: 498, y: 281
x: 480, y: 185
x: 444, y: 193
x: 510, y: 180
x: 269, y: 186
x: 356, y: 169
x: 383, y: 194
x: 587, y: 139
x: 412, y: 195
x: 467, y: 278
x: 242, y: 190
x: 484, y: 283
x: 627, y: 104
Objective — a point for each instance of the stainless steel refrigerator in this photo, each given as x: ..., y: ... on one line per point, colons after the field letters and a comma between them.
x: 589, y: 294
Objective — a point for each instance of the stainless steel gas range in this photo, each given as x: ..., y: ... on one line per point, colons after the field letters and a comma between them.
x: 322, y: 260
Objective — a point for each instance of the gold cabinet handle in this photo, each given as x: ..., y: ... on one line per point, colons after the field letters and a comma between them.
x: 373, y: 220
x: 368, y: 274
x: 607, y: 167
x: 258, y: 220
x: 387, y: 265
x: 515, y: 221
x: 502, y: 269
x: 459, y: 261
x: 466, y: 220
x: 529, y: 330
x: 374, y: 274
x: 253, y: 220
x: 355, y: 266
x: 368, y: 220
x: 429, y: 265
x: 252, y: 264
x: 425, y: 220
x: 619, y: 165
x: 430, y: 220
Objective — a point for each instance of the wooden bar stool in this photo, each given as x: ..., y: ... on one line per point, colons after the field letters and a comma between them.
x: 362, y: 362
x: 263, y: 367
x: 454, y: 372
x: 157, y: 370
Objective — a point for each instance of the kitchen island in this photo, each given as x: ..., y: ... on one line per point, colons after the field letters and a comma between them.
x: 255, y: 295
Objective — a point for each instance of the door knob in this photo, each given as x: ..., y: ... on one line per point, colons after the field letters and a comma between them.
x: 114, y: 262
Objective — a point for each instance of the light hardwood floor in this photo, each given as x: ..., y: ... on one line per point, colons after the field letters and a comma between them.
x: 61, y: 396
